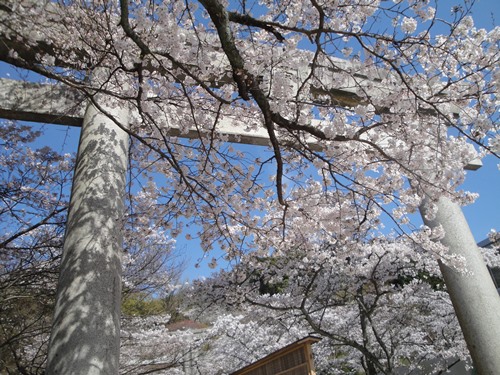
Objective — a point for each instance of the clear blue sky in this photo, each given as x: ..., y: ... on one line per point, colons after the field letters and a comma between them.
x: 482, y: 215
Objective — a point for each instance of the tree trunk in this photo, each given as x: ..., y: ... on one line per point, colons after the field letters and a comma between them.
x: 85, y: 336
x: 474, y: 296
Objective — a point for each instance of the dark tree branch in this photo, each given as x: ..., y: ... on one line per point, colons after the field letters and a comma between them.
x: 247, y: 20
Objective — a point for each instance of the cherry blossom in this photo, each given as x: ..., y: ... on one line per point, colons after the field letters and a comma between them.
x: 368, y: 109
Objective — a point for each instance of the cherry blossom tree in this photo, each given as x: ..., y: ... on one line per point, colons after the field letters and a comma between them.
x: 222, y: 344
x: 380, y: 306
x: 32, y: 215
x: 147, y: 345
x: 354, y: 100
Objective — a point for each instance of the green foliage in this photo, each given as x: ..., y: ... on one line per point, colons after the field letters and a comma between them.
x: 142, y: 304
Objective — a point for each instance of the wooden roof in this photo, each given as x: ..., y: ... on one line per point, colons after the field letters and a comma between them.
x: 293, y: 359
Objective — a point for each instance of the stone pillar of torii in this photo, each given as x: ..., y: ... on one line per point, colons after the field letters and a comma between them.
x: 85, y: 335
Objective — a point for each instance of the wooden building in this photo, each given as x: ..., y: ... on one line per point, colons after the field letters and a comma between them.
x: 293, y: 359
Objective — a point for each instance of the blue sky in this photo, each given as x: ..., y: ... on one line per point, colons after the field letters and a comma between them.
x: 482, y: 216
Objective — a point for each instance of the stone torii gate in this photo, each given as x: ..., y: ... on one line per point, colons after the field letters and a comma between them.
x: 85, y: 334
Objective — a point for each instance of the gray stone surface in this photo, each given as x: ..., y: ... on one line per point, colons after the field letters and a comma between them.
x: 86, y: 328
x: 473, y: 294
